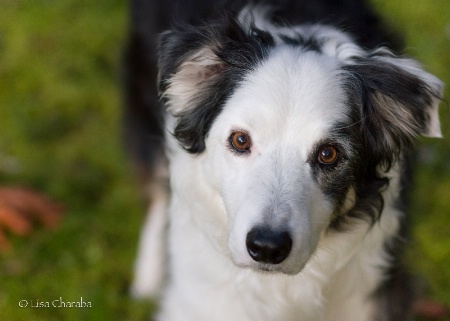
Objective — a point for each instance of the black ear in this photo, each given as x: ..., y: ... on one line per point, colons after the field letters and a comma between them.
x: 198, y: 69
x: 188, y: 63
x: 397, y: 101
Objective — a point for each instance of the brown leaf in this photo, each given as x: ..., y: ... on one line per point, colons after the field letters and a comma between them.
x: 431, y: 310
x: 21, y: 207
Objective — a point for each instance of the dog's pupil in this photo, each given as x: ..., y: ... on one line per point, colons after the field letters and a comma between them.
x: 242, y: 140
x: 328, y: 155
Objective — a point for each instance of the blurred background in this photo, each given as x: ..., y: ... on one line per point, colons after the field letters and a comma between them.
x: 60, y: 134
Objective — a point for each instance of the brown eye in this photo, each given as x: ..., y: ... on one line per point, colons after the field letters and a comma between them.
x: 327, y: 155
x: 240, y: 141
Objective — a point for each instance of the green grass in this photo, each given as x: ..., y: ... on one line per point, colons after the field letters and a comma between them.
x: 60, y: 109
x: 60, y: 101
x: 426, y: 24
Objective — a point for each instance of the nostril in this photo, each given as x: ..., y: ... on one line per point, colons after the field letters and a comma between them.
x: 265, y: 245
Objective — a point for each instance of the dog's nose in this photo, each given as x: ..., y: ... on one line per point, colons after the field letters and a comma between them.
x: 265, y: 245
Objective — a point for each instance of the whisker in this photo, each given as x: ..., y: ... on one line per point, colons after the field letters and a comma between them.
x: 353, y: 124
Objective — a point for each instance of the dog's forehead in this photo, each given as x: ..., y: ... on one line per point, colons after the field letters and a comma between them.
x: 293, y: 93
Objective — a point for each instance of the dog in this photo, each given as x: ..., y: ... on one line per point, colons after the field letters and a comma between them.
x: 278, y: 158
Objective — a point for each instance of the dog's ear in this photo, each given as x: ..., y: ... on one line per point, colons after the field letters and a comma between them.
x: 187, y: 66
x: 397, y: 101
x: 198, y: 70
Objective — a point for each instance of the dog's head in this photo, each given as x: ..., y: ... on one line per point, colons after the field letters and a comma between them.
x: 296, y: 128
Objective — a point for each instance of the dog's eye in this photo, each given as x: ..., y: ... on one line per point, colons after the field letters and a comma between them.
x: 327, y: 155
x: 240, y: 141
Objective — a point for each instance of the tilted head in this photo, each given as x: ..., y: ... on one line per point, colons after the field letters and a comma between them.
x: 296, y: 127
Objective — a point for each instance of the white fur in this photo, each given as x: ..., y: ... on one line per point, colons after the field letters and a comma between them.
x: 285, y: 115
x: 150, y: 267
x: 217, y: 197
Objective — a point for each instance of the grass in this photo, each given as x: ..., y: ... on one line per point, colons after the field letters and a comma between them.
x: 60, y: 99
x: 61, y: 105
x: 426, y: 25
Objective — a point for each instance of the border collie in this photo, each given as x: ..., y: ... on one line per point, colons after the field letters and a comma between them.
x: 287, y: 133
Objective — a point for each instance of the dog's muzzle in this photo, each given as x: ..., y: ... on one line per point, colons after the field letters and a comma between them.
x: 267, y: 246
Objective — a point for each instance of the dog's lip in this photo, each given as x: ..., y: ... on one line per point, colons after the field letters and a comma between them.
x: 274, y: 269
x: 269, y: 268
x: 266, y: 268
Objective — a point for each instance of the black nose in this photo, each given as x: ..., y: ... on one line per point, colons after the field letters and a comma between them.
x: 265, y: 245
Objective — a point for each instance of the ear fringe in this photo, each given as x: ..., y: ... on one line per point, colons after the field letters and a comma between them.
x: 397, y: 102
x: 192, y: 77
x: 435, y: 89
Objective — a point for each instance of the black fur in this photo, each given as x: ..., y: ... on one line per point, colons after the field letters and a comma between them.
x: 397, y: 293
x: 377, y: 139
x: 238, y: 53
x: 370, y: 82
x: 337, y: 178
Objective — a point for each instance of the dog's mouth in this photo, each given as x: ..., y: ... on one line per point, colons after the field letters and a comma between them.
x: 271, y: 268
x: 263, y: 267
x: 267, y: 268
